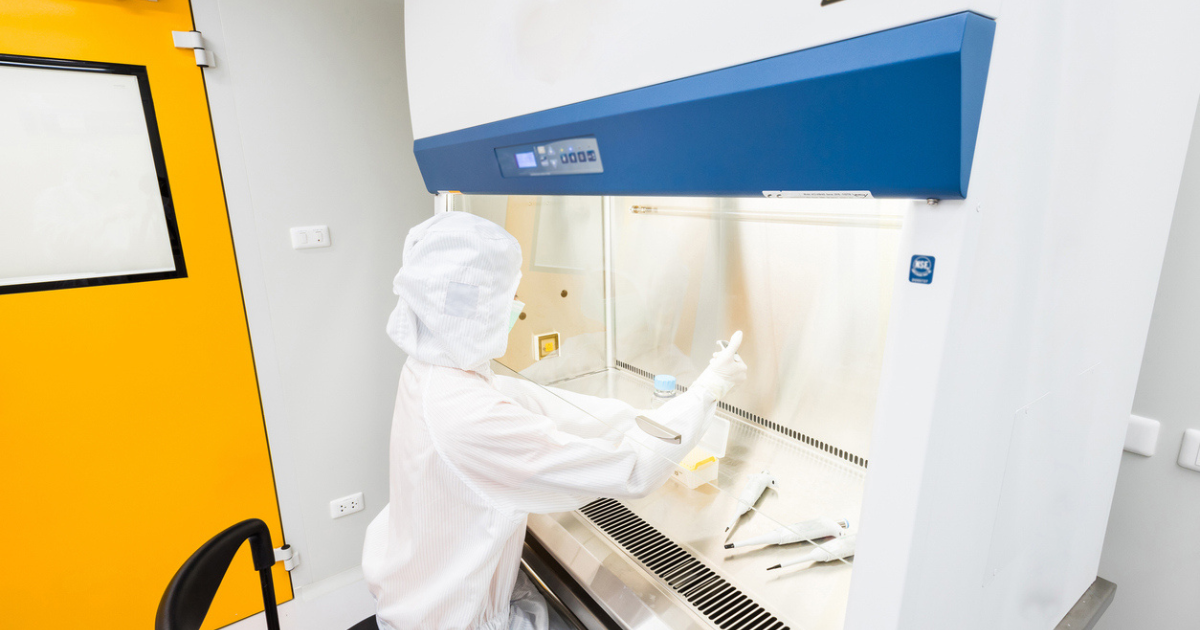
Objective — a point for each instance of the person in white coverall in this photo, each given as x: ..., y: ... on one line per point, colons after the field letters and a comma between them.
x: 472, y: 453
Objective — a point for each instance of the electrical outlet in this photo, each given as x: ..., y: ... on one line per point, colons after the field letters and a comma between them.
x: 346, y: 505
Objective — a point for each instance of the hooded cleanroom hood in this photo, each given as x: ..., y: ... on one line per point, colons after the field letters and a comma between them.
x: 456, y: 286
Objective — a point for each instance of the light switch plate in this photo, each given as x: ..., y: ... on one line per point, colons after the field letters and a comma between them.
x: 310, y: 236
x: 1189, y: 451
x: 1141, y: 437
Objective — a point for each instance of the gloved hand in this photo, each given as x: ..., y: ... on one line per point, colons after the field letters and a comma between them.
x: 725, y: 371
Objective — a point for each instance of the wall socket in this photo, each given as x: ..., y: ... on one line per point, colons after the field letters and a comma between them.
x: 346, y: 505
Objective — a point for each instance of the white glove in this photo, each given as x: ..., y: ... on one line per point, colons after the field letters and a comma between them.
x: 725, y: 371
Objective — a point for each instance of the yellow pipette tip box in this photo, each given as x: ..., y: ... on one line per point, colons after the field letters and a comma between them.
x: 697, y: 468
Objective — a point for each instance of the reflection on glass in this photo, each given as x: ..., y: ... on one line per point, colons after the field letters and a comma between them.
x: 808, y: 281
x: 562, y: 281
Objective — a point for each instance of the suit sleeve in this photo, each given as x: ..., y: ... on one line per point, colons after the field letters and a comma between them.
x: 522, y: 461
x: 577, y: 414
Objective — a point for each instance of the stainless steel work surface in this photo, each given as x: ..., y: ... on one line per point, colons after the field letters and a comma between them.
x: 811, y: 484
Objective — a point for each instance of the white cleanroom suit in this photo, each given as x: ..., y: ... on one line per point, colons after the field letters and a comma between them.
x: 472, y: 453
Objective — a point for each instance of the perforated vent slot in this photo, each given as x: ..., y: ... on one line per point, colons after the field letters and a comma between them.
x: 766, y: 423
x: 723, y: 604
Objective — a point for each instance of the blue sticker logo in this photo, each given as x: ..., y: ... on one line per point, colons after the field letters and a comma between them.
x: 921, y: 270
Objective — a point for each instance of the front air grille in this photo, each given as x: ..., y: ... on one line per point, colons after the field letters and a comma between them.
x: 723, y: 604
x: 766, y: 423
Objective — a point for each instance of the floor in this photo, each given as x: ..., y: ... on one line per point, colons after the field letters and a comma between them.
x: 332, y: 604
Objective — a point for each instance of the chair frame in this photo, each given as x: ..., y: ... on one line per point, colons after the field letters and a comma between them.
x: 185, y: 603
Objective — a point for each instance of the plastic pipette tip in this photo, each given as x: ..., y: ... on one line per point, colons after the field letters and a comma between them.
x: 778, y: 566
x: 726, y: 530
x: 729, y: 545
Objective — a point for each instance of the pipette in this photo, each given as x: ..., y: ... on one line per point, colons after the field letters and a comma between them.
x: 756, y: 485
x: 797, y: 532
x: 833, y: 550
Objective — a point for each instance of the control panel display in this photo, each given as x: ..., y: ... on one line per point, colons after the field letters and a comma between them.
x: 573, y: 156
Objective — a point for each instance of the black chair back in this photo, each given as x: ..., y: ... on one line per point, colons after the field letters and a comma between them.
x: 190, y: 594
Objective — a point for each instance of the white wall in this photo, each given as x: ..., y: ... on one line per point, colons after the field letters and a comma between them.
x: 1152, y: 549
x: 309, y: 108
x: 538, y: 55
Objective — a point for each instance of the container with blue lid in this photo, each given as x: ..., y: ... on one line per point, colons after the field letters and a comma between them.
x: 664, y: 390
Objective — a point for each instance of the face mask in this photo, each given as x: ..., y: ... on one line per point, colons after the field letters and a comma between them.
x: 514, y: 313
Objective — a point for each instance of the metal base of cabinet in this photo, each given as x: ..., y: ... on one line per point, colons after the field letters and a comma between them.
x: 561, y: 591
x: 625, y: 594
x: 1090, y: 607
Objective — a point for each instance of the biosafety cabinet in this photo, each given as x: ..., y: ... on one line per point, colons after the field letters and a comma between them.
x: 939, y: 225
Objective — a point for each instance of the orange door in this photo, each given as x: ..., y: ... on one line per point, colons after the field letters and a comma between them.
x: 132, y: 428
